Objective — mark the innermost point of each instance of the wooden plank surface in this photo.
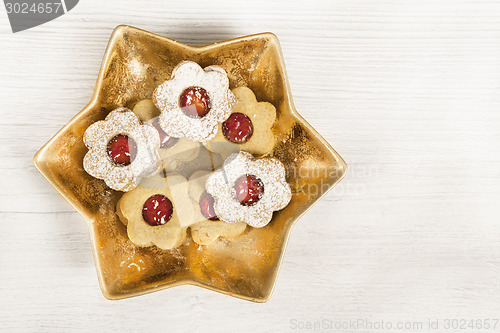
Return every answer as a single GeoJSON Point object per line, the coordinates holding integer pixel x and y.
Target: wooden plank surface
{"type": "Point", "coordinates": [406, 91]}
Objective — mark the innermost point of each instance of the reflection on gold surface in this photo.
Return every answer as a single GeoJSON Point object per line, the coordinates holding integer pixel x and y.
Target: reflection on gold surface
{"type": "Point", "coordinates": [245, 266]}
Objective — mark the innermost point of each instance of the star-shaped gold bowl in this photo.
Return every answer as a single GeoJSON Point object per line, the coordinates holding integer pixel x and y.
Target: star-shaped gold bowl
{"type": "Point", "coordinates": [245, 266]}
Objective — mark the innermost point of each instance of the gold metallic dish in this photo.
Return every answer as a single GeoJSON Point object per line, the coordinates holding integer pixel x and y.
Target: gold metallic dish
{"type": "Point", "coordinates": [246, 266]}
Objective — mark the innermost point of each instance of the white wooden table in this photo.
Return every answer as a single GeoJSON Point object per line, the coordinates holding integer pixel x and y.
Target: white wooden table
{"type": "Point", "coordinates": [408, 92]}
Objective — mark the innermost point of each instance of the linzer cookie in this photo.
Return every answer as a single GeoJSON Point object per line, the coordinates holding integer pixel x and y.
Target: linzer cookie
{"type": "Point", "coordinates": [249, 190]}
{"type": "Point", "coordinates": [121, 150]}
{"type": "Point", "coordinates": [194, 101]}
{"type": "Point", "coordinates": [248, 126]}
{"type": "Point", "coordinates": [157, 212]}
{"type": "Point", "coordinates": [209, 227]}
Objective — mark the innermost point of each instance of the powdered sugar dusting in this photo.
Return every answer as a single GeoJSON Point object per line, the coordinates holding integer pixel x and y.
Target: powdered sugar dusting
{"type": "Point", "coordinates": [277, 193]}
{"type": "Point", "coordinates": [97, 163]}
{"type": "Point", "coordinates": [189, 74]}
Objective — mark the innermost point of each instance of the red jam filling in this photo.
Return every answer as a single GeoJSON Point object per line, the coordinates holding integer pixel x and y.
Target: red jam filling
{"type": "Point", "coordinates": [157, 210]}
{"type": "Point", "coordinates": [166, 141]}
{"type": "Point", "coordinates": [207, 206]}
{"type": "Point", "coordinates": [238, 128]}
{"type": "Point", "coordinates": [122, 149]}
{"type": "Point", "coordinates": [195, 102]}
{"type": "Point", "coordinates": [249, 189]}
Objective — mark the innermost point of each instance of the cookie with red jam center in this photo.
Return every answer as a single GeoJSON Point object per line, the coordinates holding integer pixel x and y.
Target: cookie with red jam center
{"type": "Point", "coordinates": [249, 190]}
{"type": "Point", "coordinates": [208, 227]}
{"type": "Point", "coordinates": [249, 127]}
{"type": "Point", "coordinates": [194, 101]}
{"type": "Point", "coordinates": [121, 150]}
{"type": "Point", "coordinates": [157, 212]}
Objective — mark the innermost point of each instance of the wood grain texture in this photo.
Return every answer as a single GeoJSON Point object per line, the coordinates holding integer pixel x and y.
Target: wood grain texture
{"type": "Point", "coordinates": [406, 91]}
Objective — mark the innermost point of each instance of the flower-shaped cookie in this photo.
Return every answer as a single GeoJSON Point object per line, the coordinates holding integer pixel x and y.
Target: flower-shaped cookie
{"type": "Point", "coordinates": [248, 126]}
{"type": "Point", "coordinates": [194, 101]}
{"type": "Point", "coordinates": [209, 227]}
{"type": "Point", "coordinates": [249, 190]}
{"type": "Point", "coordinates": [157, 212]}
{"type": "Point", "coordinates": [121, 150]}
